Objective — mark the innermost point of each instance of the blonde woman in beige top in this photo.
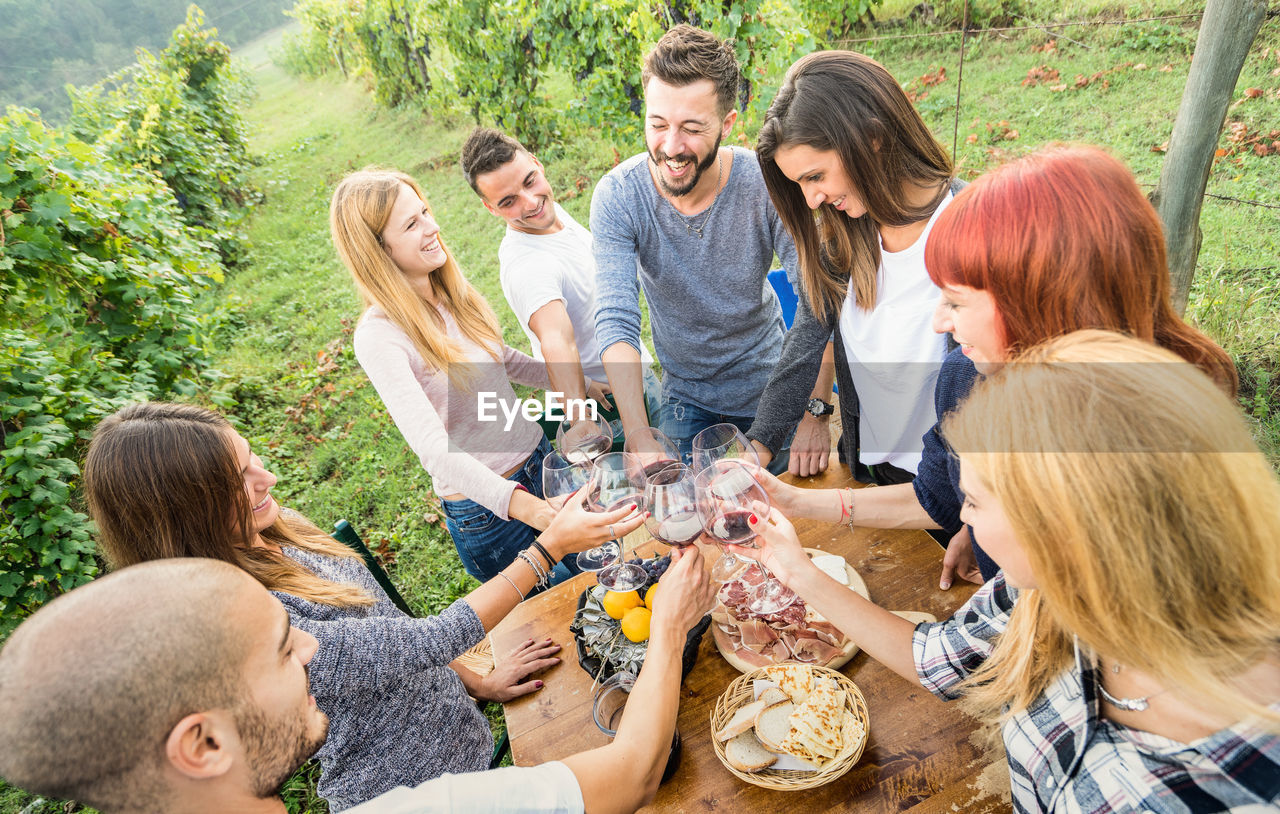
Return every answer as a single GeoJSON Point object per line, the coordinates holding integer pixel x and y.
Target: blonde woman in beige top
{"type": "Point", "coordinates": [432, 347]}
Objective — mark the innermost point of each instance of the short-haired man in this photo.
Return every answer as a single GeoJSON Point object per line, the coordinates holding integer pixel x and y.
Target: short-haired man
{"type": "Point", "coordinates": [546, 268]}
{"type": "Point", "coordinates": [179, 686]}
{"type": "Point", "coordinates": [695, 221]}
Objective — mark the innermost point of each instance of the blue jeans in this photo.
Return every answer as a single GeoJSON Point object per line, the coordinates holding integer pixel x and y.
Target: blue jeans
{"type": "Point", "coordinates": [681, 421]}
{"type": "Point", "coordinates": [486, 544]}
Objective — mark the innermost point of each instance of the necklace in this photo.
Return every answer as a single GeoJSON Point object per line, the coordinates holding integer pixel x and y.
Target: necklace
{"type": "Point", "coordinates": [688, 222]}
{"type": "Point", "coordinates": [1129, 704]}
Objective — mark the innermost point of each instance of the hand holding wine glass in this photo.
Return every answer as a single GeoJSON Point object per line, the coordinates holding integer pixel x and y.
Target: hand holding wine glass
{"type": "Point", "coordinates": [617, 483]}
{"type": "Point", "coordinates": [727, 498]}
{"type": "Point", "coordinates": [776, 545]}
{"type": "Point", "coordinates": [782, 496]}
{"type": "Point", "coordinates": [654, 449]}
{"type": "Point", "coordinates": [576, 528]}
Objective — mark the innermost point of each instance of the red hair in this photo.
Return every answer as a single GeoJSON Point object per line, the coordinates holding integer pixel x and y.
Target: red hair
{"type": "Point", "coordinates": [1064, 240]}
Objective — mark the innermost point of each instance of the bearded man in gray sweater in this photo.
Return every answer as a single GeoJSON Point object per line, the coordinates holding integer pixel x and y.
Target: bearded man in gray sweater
{"type": "Point", "coordinates": [691, 223]}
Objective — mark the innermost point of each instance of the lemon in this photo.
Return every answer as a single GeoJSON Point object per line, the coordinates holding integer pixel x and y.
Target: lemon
{"type": "Point", "coordinates": [635, 624]}
{"type": "Point", "coordinates": [649, 595]}
{"type": "Point", "coordinates": [617, 603]}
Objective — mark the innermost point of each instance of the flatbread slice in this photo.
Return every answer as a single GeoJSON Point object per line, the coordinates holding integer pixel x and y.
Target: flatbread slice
{"type": "Point", "coordinates": [796, 680]}
{"type": "Point", "coordinates": [816, 723]}
{"type": "Point", "coordinates": [852, 732]}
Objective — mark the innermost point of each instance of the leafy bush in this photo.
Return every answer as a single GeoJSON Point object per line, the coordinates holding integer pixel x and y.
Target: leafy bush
{"type": "Point", "coordinates": [100, 269]}
{"type": "Point", "coordinates": [1158, 37]}
{"type": "Point", "coordinates": [177, 115]}
{"type": "Point", "coordinates": [981, 13]}
{"type": "Point", "coordinates": [498, 54]}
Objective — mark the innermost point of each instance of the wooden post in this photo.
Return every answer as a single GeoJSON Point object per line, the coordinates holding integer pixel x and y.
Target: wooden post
{"type": "Point", "coordinates": [1227, 31]}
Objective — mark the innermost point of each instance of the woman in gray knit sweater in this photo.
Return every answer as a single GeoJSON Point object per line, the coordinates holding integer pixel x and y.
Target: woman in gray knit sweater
{"type": "Point", "coordinates": [170, 480]}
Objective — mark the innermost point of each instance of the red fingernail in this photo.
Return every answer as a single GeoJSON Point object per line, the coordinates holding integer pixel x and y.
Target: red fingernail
{"type": "Point", "coordinates": [538, 684]}
{"type": "Point", "coordinates": [633, 507]}
{"type": "Point", "coordinates": [753, 519]}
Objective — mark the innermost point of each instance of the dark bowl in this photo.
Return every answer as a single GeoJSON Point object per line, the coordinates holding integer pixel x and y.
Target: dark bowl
{"type": "Point", "coordinates": [690, 656]}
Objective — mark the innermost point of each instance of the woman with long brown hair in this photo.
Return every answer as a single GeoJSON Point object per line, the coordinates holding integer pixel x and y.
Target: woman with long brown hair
{"type": "Point", "coordinates": [859, 180]}
{"type": "Point", "coordinates": [174, 480]}
{"type": "Point", "coordinates": [1058, 241]}
{"type": "Point", "coordinates": [432, 348]}
{"type": "Point", "coordinates": [1129, 645]}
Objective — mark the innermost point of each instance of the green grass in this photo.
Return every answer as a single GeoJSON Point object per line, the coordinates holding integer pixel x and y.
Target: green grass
{"type": "Point", "coordinates": [308, 411]}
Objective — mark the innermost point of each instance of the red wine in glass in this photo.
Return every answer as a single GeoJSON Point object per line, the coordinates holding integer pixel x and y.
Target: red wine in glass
{"type": "Point", "coordinates": [731, 527]}
{"type": "Point", "coordinates": [679, 530]}
{"type": "Point", "coordinates": [672, 500]}
{"type": "Point", "coordinates": [654, 470]}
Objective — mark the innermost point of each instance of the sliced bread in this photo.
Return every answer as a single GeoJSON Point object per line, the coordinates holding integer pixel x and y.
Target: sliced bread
{"type": "Point", "coordinates": [773, 724]}
{"type": "Point", "coordinates": [773, 695]}
{"type": "Point", "coordinates": [745, 753]}
{"type": "Point", "coordinates": [742, 720]}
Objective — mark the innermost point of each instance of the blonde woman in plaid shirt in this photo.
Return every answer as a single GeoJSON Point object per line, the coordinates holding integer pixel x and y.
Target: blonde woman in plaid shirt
{"type": "Point", "coordinates": [1130, 644]}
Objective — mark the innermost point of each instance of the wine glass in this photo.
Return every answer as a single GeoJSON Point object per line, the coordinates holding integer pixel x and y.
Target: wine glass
{"type": "Point", "coordinates": [561, 478]}
{"type": "Point", "coordinates": [655, 450]}
{"type": "Point", "coordinates": [722, 442]}
{"type": "Point", "coordinates": [719, 442]}
{"type": "Point", "coordinates": [672, 499]}
{"type": "Point", "coordinates": [617, 480]}
{"type": "Point", "coordinates": [583, 440]}
{"type": "Point", "coordinates": [726, 496]}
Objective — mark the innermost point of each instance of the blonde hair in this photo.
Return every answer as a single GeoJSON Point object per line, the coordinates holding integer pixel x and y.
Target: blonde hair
{"type": "Point", "coordinates": [162, 481]}
{"type": "Point", "coordinates": [1148, 516]}
{"type": "Point", "coordinates": [358, 215]}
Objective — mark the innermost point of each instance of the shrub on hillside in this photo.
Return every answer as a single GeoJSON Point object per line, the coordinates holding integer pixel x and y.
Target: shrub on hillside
{"type": "Point", "coordinates": [178, 115]}
{"type": "Point", "coordinates": [98, 279]}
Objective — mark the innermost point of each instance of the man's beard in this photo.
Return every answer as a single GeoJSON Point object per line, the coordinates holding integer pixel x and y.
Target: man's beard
{"type": "Point", "coordinates": [274, 749]}
{"type": "Point", "coordinates": [660, 157]}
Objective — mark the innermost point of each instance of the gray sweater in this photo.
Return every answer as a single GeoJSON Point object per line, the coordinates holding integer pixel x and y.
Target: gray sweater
{"type": "Point", "coordinates": [398, 715]}
{"type": "Point", "coordinates": [717, 325]}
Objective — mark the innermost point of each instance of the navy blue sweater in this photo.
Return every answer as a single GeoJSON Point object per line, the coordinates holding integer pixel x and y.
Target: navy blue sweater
{"type": "Point", "coordinates": [937, 483]}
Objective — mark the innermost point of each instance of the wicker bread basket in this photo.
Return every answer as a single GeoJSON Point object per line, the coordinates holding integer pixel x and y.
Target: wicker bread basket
{"type": "Point", "coordinates": [740, 693]}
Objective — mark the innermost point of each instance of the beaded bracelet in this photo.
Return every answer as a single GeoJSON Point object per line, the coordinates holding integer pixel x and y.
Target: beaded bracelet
{"type": "Point", "coordinates": [538, 570]}
{"type": "Point", "coordinates": [513, 585]}
{"type": "Point", "coordinates": [849, 522]}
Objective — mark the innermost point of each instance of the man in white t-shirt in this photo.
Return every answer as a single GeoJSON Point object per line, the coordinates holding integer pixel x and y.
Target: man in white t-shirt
{"type": "Point", "coordinates": [547, 269]}
{"type": "Point", "coordinates": [196, 699]}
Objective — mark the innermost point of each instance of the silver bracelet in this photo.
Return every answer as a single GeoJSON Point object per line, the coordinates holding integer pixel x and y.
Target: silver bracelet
{"type": "Point", "coordinates": [538, 570]}
{"type": "Point", "coordinates": [513, 585]}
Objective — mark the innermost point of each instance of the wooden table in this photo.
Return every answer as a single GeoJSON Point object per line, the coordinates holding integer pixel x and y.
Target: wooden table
{"type": "Point", "coordinates": [923, 755]}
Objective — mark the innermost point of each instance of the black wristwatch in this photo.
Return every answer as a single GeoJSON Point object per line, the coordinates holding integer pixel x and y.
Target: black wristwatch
{"type": "Point", "coordinates": [818, 408]}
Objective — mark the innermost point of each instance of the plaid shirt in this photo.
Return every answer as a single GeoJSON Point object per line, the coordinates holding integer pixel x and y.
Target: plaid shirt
{"type": "Point", "coordinates": [1065, 757]}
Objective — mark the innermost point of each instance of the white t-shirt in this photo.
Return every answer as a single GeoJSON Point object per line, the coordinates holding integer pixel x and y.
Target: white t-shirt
{"type": "Point", "coordinates": [545, 789]}
{"type": "Point", "coordinates": [894, 356]}
{"type": "Point", "coordinates": [538, 269]}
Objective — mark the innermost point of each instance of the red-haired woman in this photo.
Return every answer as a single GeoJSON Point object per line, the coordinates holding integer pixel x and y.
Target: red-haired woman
{"type": "Point", "coordinates": [1059, 241]}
